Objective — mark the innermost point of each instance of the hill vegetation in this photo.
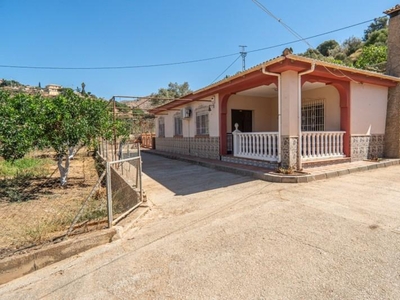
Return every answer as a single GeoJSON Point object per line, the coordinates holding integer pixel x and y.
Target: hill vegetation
{"type": "Point", "coordinates": [368, 52]}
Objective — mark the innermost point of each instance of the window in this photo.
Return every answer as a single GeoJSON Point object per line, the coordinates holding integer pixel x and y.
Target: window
{"type": "Point", "coordinates": [313, 115]}
{"type": "Point", "coordinates": [202, 122]}
{"type": "Point", "coordinates": [161, 127]}
{"type": "Point", "coordinates": [178, 125]}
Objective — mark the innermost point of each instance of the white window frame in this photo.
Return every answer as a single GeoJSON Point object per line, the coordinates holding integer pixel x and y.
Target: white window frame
{"type": "Point", "coordinates": [202, 121]}
{"type": "Point", "coordinates": [161, 127]}
{"type": "Point", "coordinates": [178, 125]}
{"type": "Point", "coordinates": [313, 115]}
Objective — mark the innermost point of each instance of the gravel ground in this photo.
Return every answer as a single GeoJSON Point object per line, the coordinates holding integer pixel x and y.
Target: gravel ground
{"type": "Point", "coordinates": [216, 235]}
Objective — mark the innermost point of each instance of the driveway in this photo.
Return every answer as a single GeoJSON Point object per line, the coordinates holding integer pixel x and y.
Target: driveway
{"type": "Point", "coordinates": [216, 235]}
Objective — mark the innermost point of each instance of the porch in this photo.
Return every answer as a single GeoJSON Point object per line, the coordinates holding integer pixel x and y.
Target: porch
{"type": "Point", "coordinates": [266, 146]}
{"type": "Point", "coordinates": [308, 124]}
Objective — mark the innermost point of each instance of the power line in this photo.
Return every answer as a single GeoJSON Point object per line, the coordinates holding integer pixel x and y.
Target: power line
{"type": "Point", "coordinates": [118, 67]}
{"type": "Point", "coordinates": [311, 37]}
{"type": "Point", "coordinates": [287, 27]}
{"type": "Point", "coordinates": [181, 62]}
{"type": "Point", "coordinates": [225, 69]}
{"type": "Point", "coordinates": [292, 31]}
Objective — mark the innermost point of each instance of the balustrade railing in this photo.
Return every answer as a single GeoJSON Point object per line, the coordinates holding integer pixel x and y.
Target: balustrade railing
{"type": "Point", "coordinates": [322, 144]}
{"type": "Point", "coordinates": [264, 145]}
{"type": "Point", "coordinates": [256, 145]}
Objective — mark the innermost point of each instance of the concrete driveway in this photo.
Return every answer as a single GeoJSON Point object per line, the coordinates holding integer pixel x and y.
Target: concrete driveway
{"type": "Point", "coordinates": [216, 235]}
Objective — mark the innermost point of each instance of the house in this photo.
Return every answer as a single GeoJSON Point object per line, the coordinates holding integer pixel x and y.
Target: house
{"type": "Point", "coordinates": [53, 89]}
{"type": "Point", "coordinates": [289, 110]}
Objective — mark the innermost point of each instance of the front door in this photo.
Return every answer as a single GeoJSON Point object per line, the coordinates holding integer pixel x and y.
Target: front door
{"type": "Point", "coordinates": [243, 118]}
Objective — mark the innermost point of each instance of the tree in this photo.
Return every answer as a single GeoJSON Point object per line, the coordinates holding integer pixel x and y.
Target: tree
{"type": "Point", "coordinates": [326, 46]}
{"type": "Point", "coordinates": [83, 85]}
{"type": "Point", "coordinates": [63, 123]}
{"type": "Point", "coordinates": [9, 83]}
{"type": "Point", "coordinates": [173, 91]}
{"type": "Point", "coordinates": [351, 45]}
{"type": "Point", "coordinates": [72, 121]}
{"type": "Point", "coordinates": [20, 126]}
{"type": "Point", "coordinates": [377, 38]}
{"type": "Point", "coordinates": [378, 24]}
{"type": "Point", "coordinates": [371, 57]}
{"type": "Point", "coordinates": [312, 53]}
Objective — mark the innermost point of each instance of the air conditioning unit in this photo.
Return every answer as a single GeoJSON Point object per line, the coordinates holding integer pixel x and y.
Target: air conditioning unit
{"type": "Point", "coordinates": [186, 113]}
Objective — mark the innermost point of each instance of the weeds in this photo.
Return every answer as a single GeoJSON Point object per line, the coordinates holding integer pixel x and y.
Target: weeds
{"type": "Point", "coordinates": [286, 171]}
{"type": "Point", "coordinates": [43, 230]}
{"type": "Point", "coordinates": [375, 158]}
{"type": "Point", "coordinates": [24, 167]}
{"type": "Point", "coordinates": [18, 175]}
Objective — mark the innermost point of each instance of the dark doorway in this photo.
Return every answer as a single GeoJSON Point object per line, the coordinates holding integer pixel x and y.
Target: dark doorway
{"type": "Point", "coordinates": [243, 118]}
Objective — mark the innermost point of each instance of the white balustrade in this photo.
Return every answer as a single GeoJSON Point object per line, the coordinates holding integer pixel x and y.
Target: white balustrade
{"type": "Point", "coordinates": [322, 144]}
{"type": "Point", "coordinates": [264, 145]}
{"type": "Point", "coordinates": [256, 145]}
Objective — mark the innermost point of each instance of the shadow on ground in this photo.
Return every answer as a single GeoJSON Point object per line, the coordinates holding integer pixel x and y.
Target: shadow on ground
{"type": "Point", "coordinates": [184, 178]}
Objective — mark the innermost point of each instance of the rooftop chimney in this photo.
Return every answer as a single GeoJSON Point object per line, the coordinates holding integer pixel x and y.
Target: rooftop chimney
{"type": "Point", "coordinates": [392, 132]}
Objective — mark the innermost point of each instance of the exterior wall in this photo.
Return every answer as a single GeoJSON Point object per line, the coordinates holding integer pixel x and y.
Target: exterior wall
{"type": "Point", "coordinates": [368, 119]}
{"type": "Point", "coordinates": [169, 124]}
{"type": "Point", "coordinates": [206, 146]}
{"type": "Point", "coordinates": [367, 146]}
{"type": "Point", "coordinates": [368, 108]}
{"type": "Point", "coordinates": [332, 105]}
{"type": "Point", "coordinates": [265, 112]}
{"type": "Point", "coordinates": [156, 125]}
{"type": "Point", "coordinates": [169, 129]}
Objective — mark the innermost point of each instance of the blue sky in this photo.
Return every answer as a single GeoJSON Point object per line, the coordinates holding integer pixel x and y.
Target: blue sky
{"type": "Point", "coordinates": [105, 33]}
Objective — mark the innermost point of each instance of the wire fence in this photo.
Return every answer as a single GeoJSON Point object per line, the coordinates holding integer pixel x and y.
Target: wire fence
{"type": "Point", "coordinates": [35, 209]}
{"type": "Point", "coordinates": [101, 190]}
{"type": "Point", "coordinates": [124, 178]}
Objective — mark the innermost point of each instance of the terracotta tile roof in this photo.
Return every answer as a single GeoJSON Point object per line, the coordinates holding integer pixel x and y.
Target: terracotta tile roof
{"type": "Point", "coordinates": [303, 59]}
{"type": "Point", "coordinates": [240, 74]}
{"type": "Point", "coordinates": [274, 61]}
{"type": "Point", "coordinates": [343, 68]}
{"type": "Point", "coordinates": [392, 10]}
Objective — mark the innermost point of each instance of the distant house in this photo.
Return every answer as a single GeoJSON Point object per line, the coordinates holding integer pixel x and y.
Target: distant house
{"type": "Point", "coordinates": [53, 89]}
{"type": "Point", "coordinates": [289, 110]}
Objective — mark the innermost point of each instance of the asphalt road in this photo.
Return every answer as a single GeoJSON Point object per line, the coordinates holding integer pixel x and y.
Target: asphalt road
{"type": "Point", "coordinates": [216, 235]}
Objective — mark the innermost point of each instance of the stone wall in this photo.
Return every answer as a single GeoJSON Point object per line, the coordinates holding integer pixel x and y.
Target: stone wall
{"type": "Point", "coordinates": [367, 146]}
{"type": "Point", "coordinates": [250, 162]}
{"type": "Point", "coordinates": [289, 151]}
{"type": "Point", "coordinates": [206, 147]}
{"type": "Point", "coordinates": [392, 132]}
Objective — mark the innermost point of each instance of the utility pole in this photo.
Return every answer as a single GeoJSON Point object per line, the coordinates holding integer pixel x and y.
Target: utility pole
{"type": "Point", "coordinates": [243, 53]}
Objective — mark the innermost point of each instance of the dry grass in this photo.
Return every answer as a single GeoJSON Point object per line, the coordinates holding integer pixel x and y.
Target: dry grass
{"type": "Point", "coordinates": [40, 209]}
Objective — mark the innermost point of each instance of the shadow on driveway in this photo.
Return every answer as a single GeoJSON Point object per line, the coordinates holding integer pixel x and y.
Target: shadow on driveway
{"type": "Point", "coordinates": [184, 178]}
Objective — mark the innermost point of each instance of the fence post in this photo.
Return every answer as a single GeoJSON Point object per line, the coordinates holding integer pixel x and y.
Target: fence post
{"type": "Point", "coordinates": [140, 179]}
{"type": "Point", "coordinates": [109, 195]}
{"type": "Point", "coordinates": [236, 142]}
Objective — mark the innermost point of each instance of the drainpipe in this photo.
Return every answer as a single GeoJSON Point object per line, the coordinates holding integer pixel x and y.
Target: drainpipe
{"type": "Point", "coordinates": [299, 141]}
{"type": "Point", "coordinates": [279, 109]}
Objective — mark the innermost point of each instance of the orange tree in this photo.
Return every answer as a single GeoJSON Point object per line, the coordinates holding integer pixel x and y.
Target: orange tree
{"type": "Point", "coordinates": [63, 123]}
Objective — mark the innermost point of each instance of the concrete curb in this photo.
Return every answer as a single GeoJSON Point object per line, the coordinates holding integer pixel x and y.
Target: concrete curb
{"type": "Point", "coordinates": [277, 178]}
{"type": "Point", "coordinates": [16, 266]}
{"type": "Point", "coordinates": [19, 265]}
